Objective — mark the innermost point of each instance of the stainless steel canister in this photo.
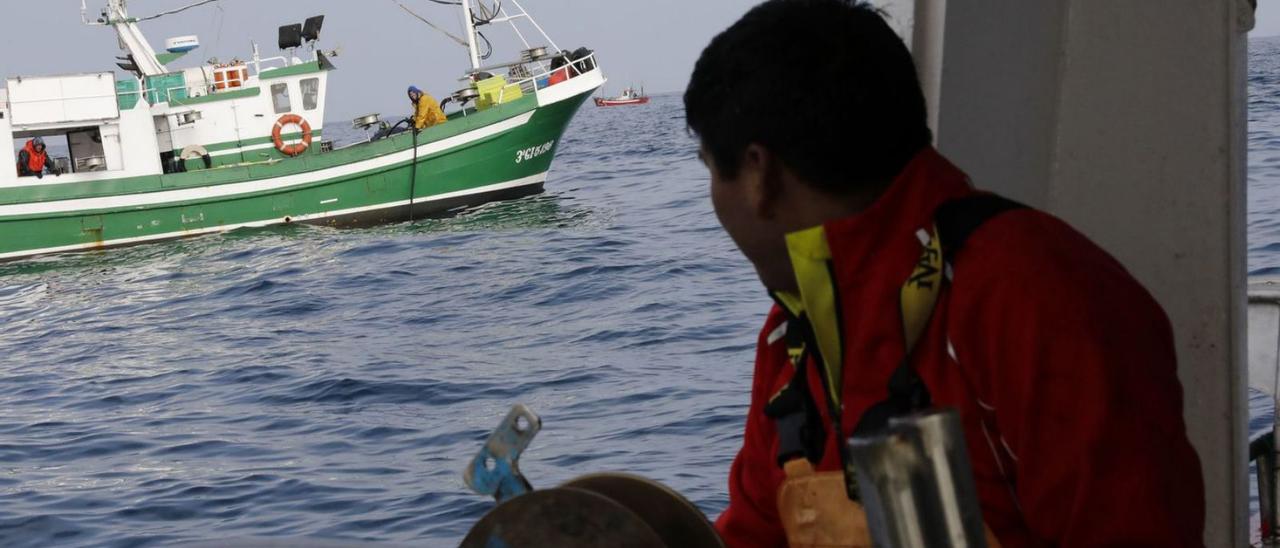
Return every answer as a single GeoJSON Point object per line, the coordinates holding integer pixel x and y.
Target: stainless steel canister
{"type": "Point", "coordinates": [917, 484]}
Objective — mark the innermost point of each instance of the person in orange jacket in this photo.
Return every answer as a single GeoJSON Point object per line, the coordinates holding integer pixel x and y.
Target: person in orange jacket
{"type": "Point", "coordinates": [1061, 364]}
{"type": "Point", "coordinates": [33, 160]}
{"type": "Point", "coordinates": [560, 68]}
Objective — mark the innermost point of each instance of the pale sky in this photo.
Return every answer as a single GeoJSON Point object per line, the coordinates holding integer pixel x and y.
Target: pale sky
{"type": "Point", "coordinates": [383, 50]}
{"type": "Point", "coordinates": [1268, 16]}
{"type": "Point", "coordinates": [649, 42]}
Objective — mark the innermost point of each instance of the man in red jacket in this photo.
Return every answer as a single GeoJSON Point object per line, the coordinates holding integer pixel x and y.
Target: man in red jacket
{"type": "Point", "coordinates": [813, 125]}
{"type": "Point", "coordinates": [33, 160]}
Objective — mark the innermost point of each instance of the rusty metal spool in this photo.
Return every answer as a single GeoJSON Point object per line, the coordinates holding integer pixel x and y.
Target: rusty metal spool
{"type": "Point", "coordinates": [562, 517]}
{"type": "Point", "coordinates": [596, 510]}
{"type": "Point", "coordinates": [673, 517]}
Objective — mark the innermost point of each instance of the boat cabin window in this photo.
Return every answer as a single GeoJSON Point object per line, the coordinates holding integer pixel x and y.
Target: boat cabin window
{"type": "Point", "coordinates": [86, 150]}
{"type": "Point", "coordinates": [76, 150]}
{"type": "Point", "coordinates": [310, 93]}
{"type": "Point", "coordinates": [280, 98]}
{"type": "Point", "coordinates": [55, 146]}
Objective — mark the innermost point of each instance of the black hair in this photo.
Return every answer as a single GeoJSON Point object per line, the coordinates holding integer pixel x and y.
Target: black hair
{"type": "Point", "coordinates": [825, 85]}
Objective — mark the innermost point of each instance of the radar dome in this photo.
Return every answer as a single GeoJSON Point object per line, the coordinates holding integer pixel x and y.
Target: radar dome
{"type": "Point", "coordinates": [181, 44]}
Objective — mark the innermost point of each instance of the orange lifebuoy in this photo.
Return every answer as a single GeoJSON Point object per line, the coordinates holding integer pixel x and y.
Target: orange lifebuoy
{"type": "Point", "coordinates": [296, 148]}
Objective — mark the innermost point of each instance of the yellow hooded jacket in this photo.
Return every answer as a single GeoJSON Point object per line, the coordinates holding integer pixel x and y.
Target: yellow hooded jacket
{"type": "Point", "coordinates": [427, 112]}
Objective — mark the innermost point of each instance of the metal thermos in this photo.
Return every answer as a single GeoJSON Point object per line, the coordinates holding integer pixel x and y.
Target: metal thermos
{"type": "Point", "coordinates": [917, 484]}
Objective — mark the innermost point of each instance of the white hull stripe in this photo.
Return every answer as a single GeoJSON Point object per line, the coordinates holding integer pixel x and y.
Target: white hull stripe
{"type": "Point", "coordinates": [525, 181]}
{"type": "Point", "coordinates": [249, 148]}
{"type": "Point", "coordinates": [261, 185]}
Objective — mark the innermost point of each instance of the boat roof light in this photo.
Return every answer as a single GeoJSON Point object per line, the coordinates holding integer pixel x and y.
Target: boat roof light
{"type": "Point", "coordinates": [290, 36]}
{"type": "Point", "coordinates": [311, 29]}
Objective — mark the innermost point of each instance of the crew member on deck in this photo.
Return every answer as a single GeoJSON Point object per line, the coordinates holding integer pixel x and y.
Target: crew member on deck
{"type": "Point", "coordinates": [33, 160]}
{"type": "Point", "coordinates": [559, 70]}
{"type": "Point", "coordinates": [426, 110]}
{"type": "Point", "coordinates": [899, 287]}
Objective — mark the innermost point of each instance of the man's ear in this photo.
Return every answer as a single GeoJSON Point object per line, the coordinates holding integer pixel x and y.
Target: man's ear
{"type": "Point", "coordinates": [760, 180]}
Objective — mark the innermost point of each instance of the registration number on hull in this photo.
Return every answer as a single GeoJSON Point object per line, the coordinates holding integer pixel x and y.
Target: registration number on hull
{"type": "Point", "coordinates": [524, 155]}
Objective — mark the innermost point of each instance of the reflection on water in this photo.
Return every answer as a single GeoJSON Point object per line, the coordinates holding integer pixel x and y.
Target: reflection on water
{"type": "Point", "coordinates": [541, 211]}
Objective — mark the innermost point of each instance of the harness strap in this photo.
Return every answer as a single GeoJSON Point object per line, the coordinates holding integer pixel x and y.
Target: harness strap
{"type": "Point", "coordinates": [954, 222]}
{"type": "Point", "coordinates": [798, 420]}
{"type": "Point", "coordinates": [957, 219]}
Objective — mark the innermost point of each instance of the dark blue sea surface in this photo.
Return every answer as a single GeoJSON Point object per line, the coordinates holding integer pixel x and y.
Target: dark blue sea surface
{"type": "Point", "coordinates": [1264, 157]}
{"type": "Point", "coordinates": [1263, 198]}
{"type": "Point", "coordinates": [308, 381]}
{"type": "Point", "coordinates": [303, 381]}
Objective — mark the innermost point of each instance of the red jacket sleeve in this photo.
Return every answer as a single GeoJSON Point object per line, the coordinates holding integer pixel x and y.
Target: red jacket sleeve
{"type": "Point", "coordinates": [1078, 362]}
{"type": "Point", "coordinates": [752, 516]}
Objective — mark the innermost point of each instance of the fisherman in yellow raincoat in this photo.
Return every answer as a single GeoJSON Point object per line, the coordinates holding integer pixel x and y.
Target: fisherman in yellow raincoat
{"type": "Point", "coordinates": [426, 110]}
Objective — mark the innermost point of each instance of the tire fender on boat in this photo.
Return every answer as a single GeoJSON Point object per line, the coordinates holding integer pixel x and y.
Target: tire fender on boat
{"type": "Point", "coordinates": [193, 152]}
{"type": "Point", "coordinates": [296, 148]}
{"type": "Point", "coordinates": [196, 152]}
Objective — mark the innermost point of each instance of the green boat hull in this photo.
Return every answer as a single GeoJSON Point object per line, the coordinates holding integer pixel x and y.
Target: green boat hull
{"type": "Point", "coordinates": [500, 153]}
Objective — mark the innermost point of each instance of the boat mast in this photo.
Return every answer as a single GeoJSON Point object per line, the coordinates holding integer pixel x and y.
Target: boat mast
{"type": "Point", "coordinates": [117, 16]}
{"type": "Point", "coordinates": [469, 23]}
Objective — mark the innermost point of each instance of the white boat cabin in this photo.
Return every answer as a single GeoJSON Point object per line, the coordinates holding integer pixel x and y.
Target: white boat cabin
{"type": "Point", "coordinates": [100, 126]}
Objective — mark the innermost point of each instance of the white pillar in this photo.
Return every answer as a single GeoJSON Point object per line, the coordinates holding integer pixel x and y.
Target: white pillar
{"type": "Point", "coordinates": [468, 23]}
{"type": "Point", "coordinates": [1128, 120]}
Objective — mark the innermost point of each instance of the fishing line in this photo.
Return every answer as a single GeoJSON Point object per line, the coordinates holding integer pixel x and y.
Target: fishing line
{"type": "Point", "coordinates": [460, 41]}
{"type": "Point", "coordinates": [179, 10]}
{"type": "Point", "coordinates": [413, 168]}
{"type": "Point", "coordinates": [222, 18]}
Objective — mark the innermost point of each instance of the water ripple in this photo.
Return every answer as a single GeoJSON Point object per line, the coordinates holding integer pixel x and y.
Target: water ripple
{"type": "Point", "coordinates": [308, 381]}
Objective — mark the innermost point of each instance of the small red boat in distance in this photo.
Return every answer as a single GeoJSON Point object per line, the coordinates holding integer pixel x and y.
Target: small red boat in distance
{"type": "Point", "coordinates": [629, 97]}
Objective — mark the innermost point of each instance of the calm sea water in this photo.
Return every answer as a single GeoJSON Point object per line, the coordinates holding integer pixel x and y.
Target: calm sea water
{"type": "Point", "coordinates": [305, 381]}
{"type": "Point", "coordinates": [1263, 194]}
{"type": "Point", "coordinates": [1264, 157]}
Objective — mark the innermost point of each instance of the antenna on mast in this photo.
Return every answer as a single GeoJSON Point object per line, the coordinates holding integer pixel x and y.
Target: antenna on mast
{"type": "Point", "coordinates": [104, 18]}
{"type": "Point", "coordinates": [142, 58]}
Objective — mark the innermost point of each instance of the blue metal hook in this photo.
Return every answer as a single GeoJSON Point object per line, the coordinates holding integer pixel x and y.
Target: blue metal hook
{"type": "Point", "coordinates": [495, 470]}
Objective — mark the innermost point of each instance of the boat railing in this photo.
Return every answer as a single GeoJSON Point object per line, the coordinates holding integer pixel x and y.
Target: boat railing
{"type": "Point", "coordinates": [541, 79]}
{"type": "Point", "coordinates": [1262, 453]}
{"type": "Point", "coordinates": [537, 80]}
{"type": "Point", "coordinates": [199, 90]}
{"type": "Point", "coordinates": [1263, 374]}
{"type": "Point", "coordinates": [169, 94]}
{"type": "Point", "coordinates": [63, 99]}
{"type": "Point", "coordinates": [260, 65]}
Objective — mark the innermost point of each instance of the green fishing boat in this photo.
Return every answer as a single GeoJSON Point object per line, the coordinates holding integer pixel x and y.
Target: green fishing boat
{"type": "Point", "coordinates": [168, 153]}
